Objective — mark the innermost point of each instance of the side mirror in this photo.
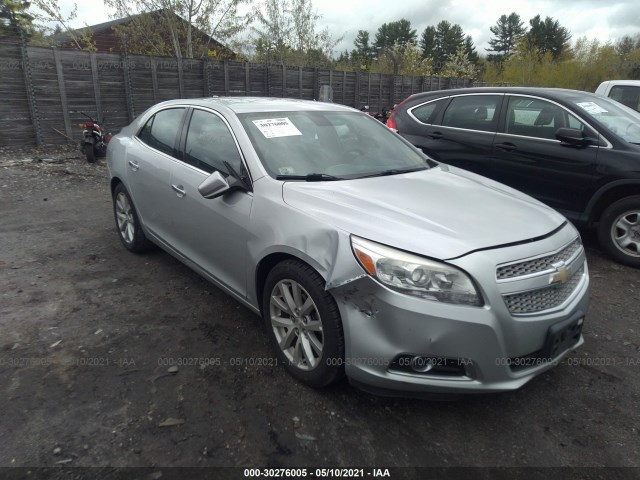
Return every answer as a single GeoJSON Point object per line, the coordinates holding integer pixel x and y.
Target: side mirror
{"type": "Point", "coordinates": [213, 186]}
{"type": "Point", "coordinates": [572, 136]}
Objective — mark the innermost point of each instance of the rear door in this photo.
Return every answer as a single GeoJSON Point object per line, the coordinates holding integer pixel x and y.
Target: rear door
{"type": "Point", "coordinates": [528, 157]}
{"type": "Point", "coordinates": [150, 160]}
{"type": "Point", "coordinates": [212, 233]}
{"type": "Point", "coordinates": [464, 132]}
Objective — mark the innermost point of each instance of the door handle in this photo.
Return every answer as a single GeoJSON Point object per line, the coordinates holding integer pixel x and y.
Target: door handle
{"type": "Point", "coordinates": [133, 165]}
{"type": "Point", "coordinates": [179, 189]}
{"type": "Point", "coordinates": [507, 146]}
{"type": "Point", "coordinates": [436, 135]}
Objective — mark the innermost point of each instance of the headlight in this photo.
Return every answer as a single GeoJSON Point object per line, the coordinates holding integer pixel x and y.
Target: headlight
{"type": "Point", "coordinates": [414, 275]}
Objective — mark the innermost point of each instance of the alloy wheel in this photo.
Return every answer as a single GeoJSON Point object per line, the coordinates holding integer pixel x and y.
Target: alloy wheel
{"type": "Point", "coordinates": [625, 233]}
{"type": "Point", "coordinates": [296, 324]}
{"type": "Point", "coordinates": [124, 217]}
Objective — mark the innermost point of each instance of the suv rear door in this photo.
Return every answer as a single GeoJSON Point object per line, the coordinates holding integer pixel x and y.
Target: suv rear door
{"type": "Point", "coordinates": [463, 132]}
{"type": "Point", "coordinates": [528, 157]}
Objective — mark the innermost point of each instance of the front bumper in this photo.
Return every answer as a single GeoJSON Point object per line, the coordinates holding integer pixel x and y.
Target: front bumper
{"type": "Point", "coordinates": [382, 325]}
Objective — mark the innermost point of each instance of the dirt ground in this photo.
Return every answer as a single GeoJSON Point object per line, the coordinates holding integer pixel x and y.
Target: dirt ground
{"type": "Point", "coordinates": [89, 331]}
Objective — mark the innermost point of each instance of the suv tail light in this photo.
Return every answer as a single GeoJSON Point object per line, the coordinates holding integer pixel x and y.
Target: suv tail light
{"type": "Point", "coordinates": [391, 121]}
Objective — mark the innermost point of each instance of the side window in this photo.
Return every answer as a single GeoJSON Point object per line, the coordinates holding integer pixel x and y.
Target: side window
{"type": "Point", "coordinates": [532, 117]}
{"type": "Point", "coordinates": [627, 95]}
{"type": "Point", "coordinates": [210, 144]}
{"type": "Point", "coordinates": [427, 113]}
{"type": "Point", "coordinates": [161, 130]}
{"type": "Point", "coordinates": [473, 112]}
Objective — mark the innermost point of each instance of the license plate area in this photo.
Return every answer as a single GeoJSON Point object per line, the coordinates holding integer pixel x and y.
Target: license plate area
{"type": "Point", "coordinates": [561, 337]}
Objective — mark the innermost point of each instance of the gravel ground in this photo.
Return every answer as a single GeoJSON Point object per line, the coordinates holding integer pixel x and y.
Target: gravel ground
{"type": "Point", "coordinates": [89, 333]}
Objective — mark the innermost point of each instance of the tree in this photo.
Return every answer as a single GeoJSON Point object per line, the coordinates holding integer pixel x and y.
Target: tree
{"type": "Point", "coordinates": [428, 41]}
{"type": "Point", "coordinates": [448, 38]}
{"type": "Point", "coordinates": [403, 60]}
{"type": "Point", "coordinates": [458, 65]}
{"type": "Point", "coordinates": [470, 50]}
{"type": "Point", "coordinates": [48, 13]}
{"type": "Point", "coordinates": [548, 36]}
{"type": "Point", "coordinates": [507, 31]}
{"type": "Point", "coordinates": [285, 31]}
{"type": "Point", "coordinates": [14, 19]}
{"type": "Point", "coordinates": [167, 26]}
{"type": "Point", "coordinates": [363, 54]}
{"type": "Point", "coordinates": [392, 34]}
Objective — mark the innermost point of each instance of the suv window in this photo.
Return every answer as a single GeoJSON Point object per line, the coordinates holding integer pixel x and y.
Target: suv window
{"type": "Point", "coordinates": [531, 117]}
{"type": "Point", "coordinates": [473, 112]}
{"type": "Point", "coordinates": [427, 113]}
{"type": "Point", "coordinates": [210, 144]}
{"type": "Point", "coordinates": [161, 130]}
{"type": "Point", "coordinates": [627, 95]}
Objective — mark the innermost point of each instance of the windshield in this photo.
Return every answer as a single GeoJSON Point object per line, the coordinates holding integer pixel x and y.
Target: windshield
{"type": "Point", "coordinates": [328, 145]}
{"type": "Point", "coordinates": [618, 118]}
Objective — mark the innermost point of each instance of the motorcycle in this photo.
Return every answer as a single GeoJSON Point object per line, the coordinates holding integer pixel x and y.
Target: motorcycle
{"type": "Point", "coordinates": [94, 141]}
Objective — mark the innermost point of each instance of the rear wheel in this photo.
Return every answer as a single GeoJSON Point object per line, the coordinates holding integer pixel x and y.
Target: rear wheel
{"type": "Point", "coordinates": [619, 230]}
{"type": "Point", "coordinates": [127, 222]}
{"type": "Point", "coordinates": [304, 324]}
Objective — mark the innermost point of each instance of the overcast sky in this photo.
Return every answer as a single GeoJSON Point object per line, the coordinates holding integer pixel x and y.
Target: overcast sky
{"type": "Point", "coordinates": [604, 20]}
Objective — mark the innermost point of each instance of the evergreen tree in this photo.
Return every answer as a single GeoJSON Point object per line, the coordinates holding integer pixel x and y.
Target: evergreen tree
{"type": "Point", "coordinates": [507, 31]}
{"type": "Point", "coordinates": [548, 36]}
{"type": "Point", "coordinates": [390, 34]}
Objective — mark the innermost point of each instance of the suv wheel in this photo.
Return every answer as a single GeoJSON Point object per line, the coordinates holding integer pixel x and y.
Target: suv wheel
{"type": "Point", "coordinates": [619, 230]}
{"type": "Point", "coordinates": [303, 322]}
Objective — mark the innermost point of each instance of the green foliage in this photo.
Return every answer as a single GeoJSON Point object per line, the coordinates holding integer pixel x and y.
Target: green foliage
{"type": "Point", "coordinates": [548, 36]}
{"type": "Point", "coordinates": [507, 31]}
{"type": "Point", "coordinates": [394, 34]}
{"type": "Point", "coordinates": [459, 65]}
{"type": "Point", "coordinates": [286, 31]}
{"type": "Point", "coordinates": [14, 19]}
{"type": "Point", "coordinates": [442, 41]}
{"type": "Point", "coordinates": [362, 56]}
{"type": "Point", "coordinates": [583, 67]}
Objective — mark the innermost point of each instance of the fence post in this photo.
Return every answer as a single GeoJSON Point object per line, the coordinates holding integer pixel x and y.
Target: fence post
{"type": "Point", "coordinates": [380, 102]}
{"type": "Point", "coordinates": [344, 86]}
{"type": "Point", "coordinates": [247, 79]}
{"type": "Point", "coordinates": [63, 91]}
{"type": "Point", "coordinates": [267, 80]}
{"type": "Point", "coordinates": [316, 83]}
{"type": "Point", "coordinates": [226, 77]}
{"type": "Point", "coordinates": [154, 78]}
{"type": "Point", "coordinates": [369, 90]}
{"type": "Point", "coordinates": [96, 84]}
{"type": "Point", "coordinates": [284, 81]}
{"type": "Point", "coordinates": [299, 82]}
{"type": "Point", "coordinates": [356, 90]}
{"type": "Point", "coordinates": [127, 84]}
{"type": "Point", "coordinates": [180, 78]}
{"type": "Point", "coordinates": [31, 94]}
{"type": "Point", "coordinates": [392, 93]}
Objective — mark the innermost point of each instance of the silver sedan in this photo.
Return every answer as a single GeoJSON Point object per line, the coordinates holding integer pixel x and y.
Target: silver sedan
{"type": "Point", "coordinates": [363, 256]}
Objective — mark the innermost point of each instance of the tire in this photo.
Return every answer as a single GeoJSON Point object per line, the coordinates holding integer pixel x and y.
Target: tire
{"type": "Point", "coordinates": [315, 354]}
{"type": "Point", "coordinates": [88, 151]}
{"type": "Point", "coordinates": [619, 230]}
{"type": "Point", "coordinates": [128, 223]}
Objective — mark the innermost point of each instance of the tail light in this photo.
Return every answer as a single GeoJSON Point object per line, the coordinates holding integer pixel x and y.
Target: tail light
{"type": "Point", "coordinates": [391, 121]}
{"type": "Point", "coordinates": [89, 124]}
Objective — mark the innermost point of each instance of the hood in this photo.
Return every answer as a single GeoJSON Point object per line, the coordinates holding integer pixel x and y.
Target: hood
{"type": "Point", "coordinates": [443, 212]}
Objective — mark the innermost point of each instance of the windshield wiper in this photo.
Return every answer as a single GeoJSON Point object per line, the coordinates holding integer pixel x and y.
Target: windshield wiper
{"type": "Point", "coordinates": [394, 171]}
{"type": "Point", "coordinates": [310, 177]}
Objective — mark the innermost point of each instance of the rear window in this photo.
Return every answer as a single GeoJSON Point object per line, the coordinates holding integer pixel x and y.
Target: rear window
{"type": "Point", "coordinates": [472, 112]}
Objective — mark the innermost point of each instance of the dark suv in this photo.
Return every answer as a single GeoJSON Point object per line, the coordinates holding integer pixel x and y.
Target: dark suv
{"type": "Point", "coordinates": [575, 151]}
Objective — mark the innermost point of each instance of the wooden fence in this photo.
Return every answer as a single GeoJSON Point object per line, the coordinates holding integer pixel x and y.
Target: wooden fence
{"type": "Point", "coordinates": [42, 90]}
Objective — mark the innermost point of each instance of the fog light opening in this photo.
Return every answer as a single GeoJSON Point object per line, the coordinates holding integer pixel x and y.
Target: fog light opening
{"type": "Point", "coordinates": [421, 364]}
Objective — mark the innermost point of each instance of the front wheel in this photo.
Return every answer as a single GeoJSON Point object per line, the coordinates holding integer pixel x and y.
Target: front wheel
{"type": "Point", "coordinates": [128, 223]}
{"type": "Point", "coordinates": [619, 230]}
{"type": "Point", "coordinates": [304, 325]}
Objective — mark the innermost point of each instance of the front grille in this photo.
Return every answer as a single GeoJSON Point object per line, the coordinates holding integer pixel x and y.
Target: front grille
{"type": "Point", "coordinates": [543, 298]}
{"type": "Point", "coordinates": [538, 265]}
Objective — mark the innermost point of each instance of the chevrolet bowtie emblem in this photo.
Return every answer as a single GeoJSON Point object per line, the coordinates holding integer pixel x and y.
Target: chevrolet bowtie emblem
{"type": "Point", "coordinates": [563, 275]}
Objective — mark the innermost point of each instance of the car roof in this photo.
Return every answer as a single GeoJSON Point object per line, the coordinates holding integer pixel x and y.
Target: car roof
{"type": "Point", "coordinates": [259, 104]}
{"type": "Point", "coordinates": [551, 93]}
